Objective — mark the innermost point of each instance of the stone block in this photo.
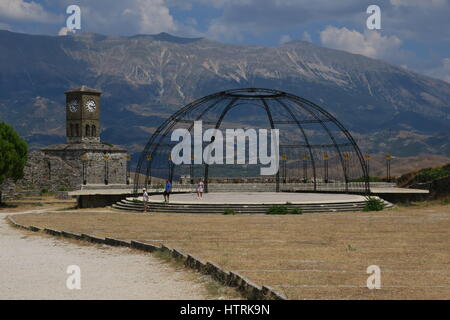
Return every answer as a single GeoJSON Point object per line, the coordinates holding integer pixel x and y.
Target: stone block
{"type": "Point", "coordinates": [143, 246]}
{"type": "Point", "coordinates": [52, 232]}
{"type": "Point", "coordinates": [92, 239]}
{"type": "Point", "coordinates": [116, 242]}
{"type": "Point", "coordinates": [71, 235]}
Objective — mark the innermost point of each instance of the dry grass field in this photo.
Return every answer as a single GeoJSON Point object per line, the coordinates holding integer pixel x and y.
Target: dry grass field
{"type": "Point", "coordinates": [309, 256]}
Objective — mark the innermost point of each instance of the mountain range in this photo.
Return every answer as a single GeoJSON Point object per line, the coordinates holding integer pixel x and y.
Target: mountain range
{"type": "Point", "coordinates": [145, 78]}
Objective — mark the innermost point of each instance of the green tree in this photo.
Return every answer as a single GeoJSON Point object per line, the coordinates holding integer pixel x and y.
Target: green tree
{"type": "Point", "coordinates": [13, 154]}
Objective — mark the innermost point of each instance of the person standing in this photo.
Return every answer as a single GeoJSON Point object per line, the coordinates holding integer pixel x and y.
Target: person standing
{"type": "Point", "coordinates": [200, 188]}
{"type": "Point", "coordinates": [167, 190]}
{"type": "Point", "coordinates": [145, 198]}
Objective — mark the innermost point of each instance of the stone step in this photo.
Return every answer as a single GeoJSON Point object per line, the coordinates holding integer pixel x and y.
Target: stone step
{"type": "Point", "coordinates": [203, 205]}
{"type": "Point", "coordinates": [220, 209]}
{"type": "Point", "coordinates": [243, 204]}
{"type": "Point", "coordinates": [206, 207]}
{"type": "Point", "coordinates": [241, 211]}
{"type": "Point", "coordinates": [212, 206]}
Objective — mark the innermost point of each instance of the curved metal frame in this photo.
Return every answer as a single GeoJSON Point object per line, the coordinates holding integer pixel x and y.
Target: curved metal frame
{"type": "Point", "coordinates": [254, 94]}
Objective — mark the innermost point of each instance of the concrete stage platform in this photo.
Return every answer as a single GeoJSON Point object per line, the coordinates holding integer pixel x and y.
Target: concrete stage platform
{"type": "Point", "coordinates": [247, 202]}
{"type": "Point", "coordinates": [101, 197]}
{"type": "Point", "coordinates": [258, 198]}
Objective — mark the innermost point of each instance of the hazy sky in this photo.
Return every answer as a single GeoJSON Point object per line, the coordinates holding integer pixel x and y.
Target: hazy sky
{"type": "Point", "coordinates": [414, 33]}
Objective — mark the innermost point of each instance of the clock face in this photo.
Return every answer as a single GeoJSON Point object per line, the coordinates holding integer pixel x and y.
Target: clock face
{"type": "Point", "coordinates": [90, 105]}
{"type": "Point", "coordinates": [73, 105]}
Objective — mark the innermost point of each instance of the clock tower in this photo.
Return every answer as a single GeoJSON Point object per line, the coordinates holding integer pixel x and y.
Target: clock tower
{"type": "Point", "coordinates": [83, 115]}
{"type": "Point", "coordinates": [86, 160]}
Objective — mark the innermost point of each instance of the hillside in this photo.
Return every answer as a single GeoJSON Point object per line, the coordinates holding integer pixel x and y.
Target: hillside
{"type": "Point", "coordinates": [145, 78]}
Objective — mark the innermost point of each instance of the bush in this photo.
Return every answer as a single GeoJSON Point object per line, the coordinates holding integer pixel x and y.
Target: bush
{"type": "Point", "coordinates": [432, 174]}
{"type": "Point", "coordinates": [373, 204]}
{"type": "Point", "coordinates": [283, 210]}
{"type": "Point", "coordinates": [296, 211]}
{"type": "Point", "coordinates": [277, 210]}
{"type": "Point", "coordinates": [229, 211]}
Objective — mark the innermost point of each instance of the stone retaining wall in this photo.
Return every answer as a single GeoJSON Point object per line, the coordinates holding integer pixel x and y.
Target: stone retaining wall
{"type": "Point", "coordinates": [438, 188]}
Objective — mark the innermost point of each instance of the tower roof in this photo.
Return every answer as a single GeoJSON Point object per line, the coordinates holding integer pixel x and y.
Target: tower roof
{"type": "Point", "coordinates": [84, 89]}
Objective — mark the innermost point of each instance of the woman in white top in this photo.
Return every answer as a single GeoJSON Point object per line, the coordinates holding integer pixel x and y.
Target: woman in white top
{"type": "Point", "coordinates": [145, 198]}
{"type": "Point", "coordinates": [200, 186]}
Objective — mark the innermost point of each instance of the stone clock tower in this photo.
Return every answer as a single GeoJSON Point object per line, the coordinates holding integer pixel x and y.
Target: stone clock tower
{"type": "Point", "coordinates": [83, 115]}
{"type": "Point", "coordinates": [88, 162]}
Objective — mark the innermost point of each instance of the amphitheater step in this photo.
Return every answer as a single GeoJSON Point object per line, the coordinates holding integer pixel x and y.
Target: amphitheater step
{"type": "Point", "coordinates": [238, 208]}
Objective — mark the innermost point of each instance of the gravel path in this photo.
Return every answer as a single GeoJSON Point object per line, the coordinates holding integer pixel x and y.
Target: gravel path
{"type": "Point", "coordinates": [34, 267]}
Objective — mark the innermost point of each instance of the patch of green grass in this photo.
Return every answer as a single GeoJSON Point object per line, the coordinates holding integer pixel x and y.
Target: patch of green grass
{"type": "Point", "coordinates": [216, 290]}
{"type": "Point", "coordinates": [7, 205]}
{"type": "Point", "coordinates": [213, 288]}
{"type": "Point", "coordinates": [277, 210]}
{"type": "Point", "coordinates": [46, 192]}
{"type": "Point", "coordinates": [283, 210]}
{"type": "Point", "coordinates": [229, 212]}
{"type": "Point", "coordinates": [373, 204]}
{"type": "Point", "coordinates": [36, 204]}
{"type": "Point", "coordinates": [164, 255]}
{"type": "Point", "coordinates": [296, 211]}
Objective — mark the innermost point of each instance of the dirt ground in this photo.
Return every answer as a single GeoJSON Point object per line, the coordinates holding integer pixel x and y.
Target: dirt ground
{"type": "Point", "coordinates": [309, 256]}
{"type": "Point", "coordinates": [34, 266]}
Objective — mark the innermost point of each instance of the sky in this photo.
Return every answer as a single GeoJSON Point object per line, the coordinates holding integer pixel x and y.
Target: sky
{"type": "Point", "coordinates": [414, 34]}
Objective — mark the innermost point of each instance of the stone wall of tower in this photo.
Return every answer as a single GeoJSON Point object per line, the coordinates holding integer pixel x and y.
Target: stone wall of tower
{"type": "Point", "coordinates": [97, 170]}
{"type": "Point", "coordinates": [44, 173]}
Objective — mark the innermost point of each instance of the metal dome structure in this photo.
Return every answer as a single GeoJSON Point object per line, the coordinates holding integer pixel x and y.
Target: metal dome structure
{"type": "Point", "coordinates": [316, 152]}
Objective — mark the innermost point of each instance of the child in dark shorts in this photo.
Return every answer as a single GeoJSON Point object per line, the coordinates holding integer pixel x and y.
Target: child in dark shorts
{"type": "Point", "coordinates": [167, 191]}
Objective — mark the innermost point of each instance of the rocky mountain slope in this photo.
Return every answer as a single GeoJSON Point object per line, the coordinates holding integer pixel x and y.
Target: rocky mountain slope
{"type": "Point", "coordinates": [145, 78]}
